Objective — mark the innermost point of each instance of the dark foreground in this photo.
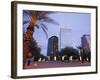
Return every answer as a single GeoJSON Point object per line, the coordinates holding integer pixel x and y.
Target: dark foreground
{"type": "Point", "coordinates": [52, 64]}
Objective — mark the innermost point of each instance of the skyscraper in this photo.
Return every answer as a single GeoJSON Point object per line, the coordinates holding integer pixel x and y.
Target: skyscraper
{"type": "Point", "coordinates": [86, 41]}
{"type": "Point", "coordinates": [65, 37]}
{"type": "Point", "coordinates": [52, 50]}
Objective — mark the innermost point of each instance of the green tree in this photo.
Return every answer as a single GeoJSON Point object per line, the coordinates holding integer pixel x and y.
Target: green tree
{"type": "Point", "coordinates": [69, 51]}
{"type": "Point", "coordinates": [35, 50]}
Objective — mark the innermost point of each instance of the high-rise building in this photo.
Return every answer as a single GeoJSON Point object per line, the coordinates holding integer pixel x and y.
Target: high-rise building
{"type": "Point", "coordinates": [86, 42]}
{"type": "Point", "coordinates": [52, 50]}
{"type": "Point", "coordinates": [65, 37]}
{"type": "Point", "coordinates": [86, 47]}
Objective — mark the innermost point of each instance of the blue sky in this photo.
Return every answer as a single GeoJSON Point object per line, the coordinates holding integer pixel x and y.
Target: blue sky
{"type": "Point", "coordinates": [79, 23]}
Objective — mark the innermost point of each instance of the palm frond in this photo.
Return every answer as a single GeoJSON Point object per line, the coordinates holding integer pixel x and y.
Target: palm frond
{"type": "Point", "coordinates": [25, 22]}
{"type": "Point", "coordinates": [44, 25]}
{"type": "Point", "coordinates": [27, 12]}
{"type": "Point", "coordinates": [37, 26]}
{"type": "Point", "coordinates": [44, 13]}
{"type": "Point", "coordinates": [48, 20]}
{"type": "Point", "coordinates": [41, 17]}
{"type": "Point", "coordinates": [44, 31]}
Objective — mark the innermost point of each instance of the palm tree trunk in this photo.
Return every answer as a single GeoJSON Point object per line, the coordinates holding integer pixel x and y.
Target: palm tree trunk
{"type": "Point", "coordinates": [27, 39]}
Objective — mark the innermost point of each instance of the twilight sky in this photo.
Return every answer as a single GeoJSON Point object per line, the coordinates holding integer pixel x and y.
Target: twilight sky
{"type": "Point", "coordinates": [78, 23]}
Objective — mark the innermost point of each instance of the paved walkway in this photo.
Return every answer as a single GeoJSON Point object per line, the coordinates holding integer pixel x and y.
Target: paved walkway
{"type": "Point", "coordinates": [52, 64]}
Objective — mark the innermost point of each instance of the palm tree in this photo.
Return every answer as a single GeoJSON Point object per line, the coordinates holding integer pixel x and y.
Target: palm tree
{"type": "Point", "coordinates": [36, 19]}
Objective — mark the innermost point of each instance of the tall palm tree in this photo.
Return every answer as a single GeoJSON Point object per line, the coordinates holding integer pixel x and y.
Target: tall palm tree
{"type": "Point", "coordinates": [36, 19]}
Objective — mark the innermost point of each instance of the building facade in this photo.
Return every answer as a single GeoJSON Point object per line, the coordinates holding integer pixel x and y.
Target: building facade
{"type": "Point", "coordinates": [65, 37]}
{"type": "Point", "coordinates": [86, 42]}
{"type": "Point", "coordinates": [86, 48]}
{"type": "Point", "coordinates": [52, 49]}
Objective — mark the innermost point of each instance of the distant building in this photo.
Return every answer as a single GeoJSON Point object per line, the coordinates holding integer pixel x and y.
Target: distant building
{"type": "Point", "coordinates": [52, 50]}
{"type": "Point", "coordinates": [86, 42]}
{"type": "Point", "coordinates": [65, 37]}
